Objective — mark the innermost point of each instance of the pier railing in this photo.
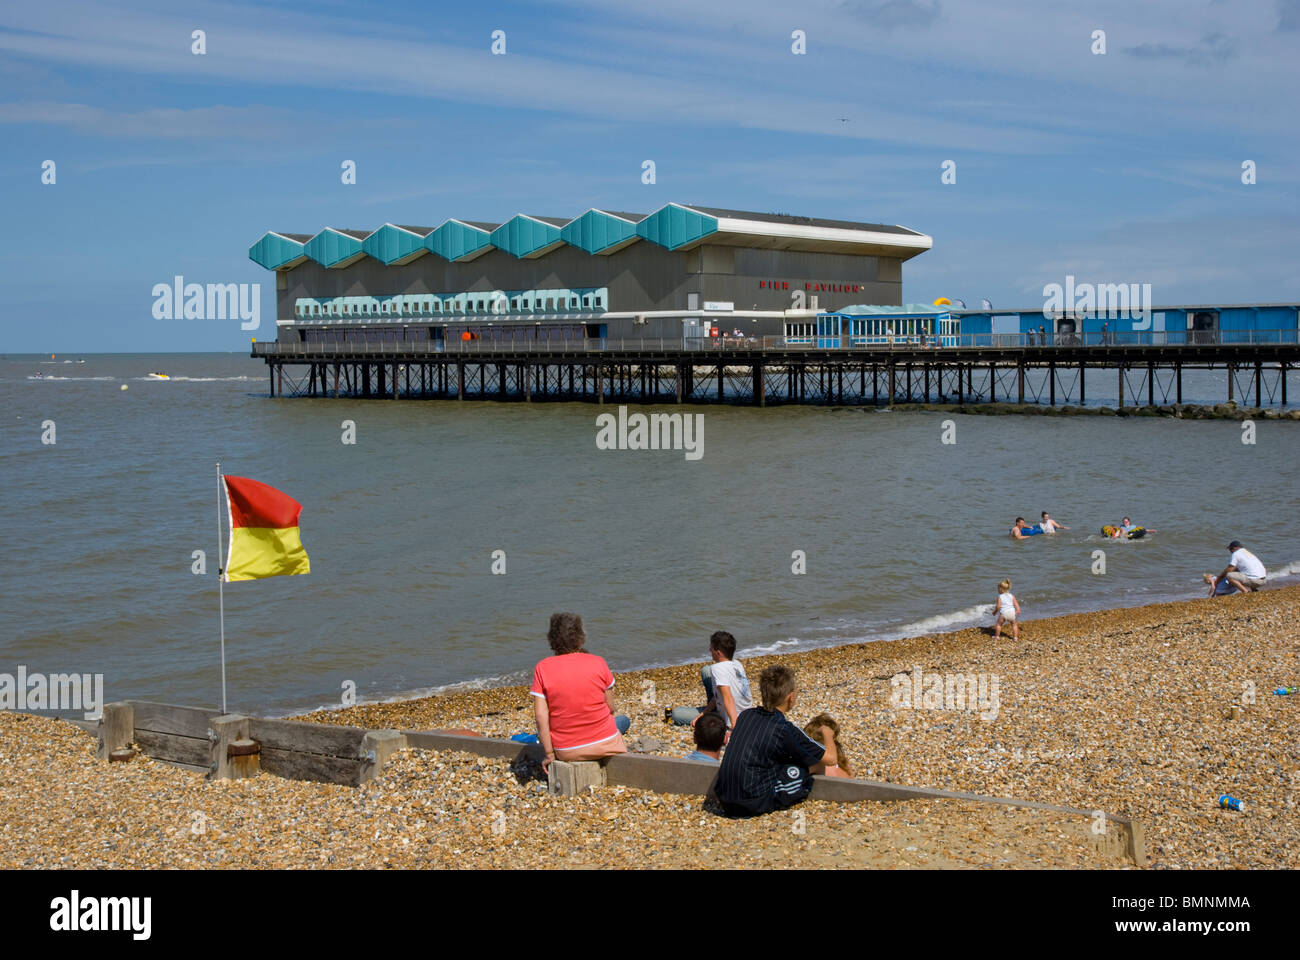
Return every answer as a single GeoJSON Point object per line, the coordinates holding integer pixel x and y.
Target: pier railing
{"type": "Point", "coordinates": [714, 345]}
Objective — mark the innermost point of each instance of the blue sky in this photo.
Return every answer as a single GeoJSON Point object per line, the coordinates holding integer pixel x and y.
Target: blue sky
{"type": "Point", "coordinates": [1124, 167]}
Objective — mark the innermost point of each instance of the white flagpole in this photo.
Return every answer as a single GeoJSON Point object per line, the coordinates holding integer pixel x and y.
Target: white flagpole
{"type": "Point", "coordinates": [221, 593]}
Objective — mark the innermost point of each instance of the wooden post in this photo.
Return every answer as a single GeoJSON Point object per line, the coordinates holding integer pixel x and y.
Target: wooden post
{"type": "Point", "coordinates": [224, 732]}
{"type": "Point", "coordinates": [568, 779]}
{"type": "Point", "coordinates": [376, 747]}
{"type": "Point", "coordinates": [116, 731]}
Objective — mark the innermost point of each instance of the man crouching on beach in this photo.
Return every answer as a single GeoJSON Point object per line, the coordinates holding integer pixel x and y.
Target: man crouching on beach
{"type": "Point", "coordinates": [769, 762]}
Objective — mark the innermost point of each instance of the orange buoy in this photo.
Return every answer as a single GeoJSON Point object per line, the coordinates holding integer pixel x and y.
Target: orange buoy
{"type": "Point", "coordinates": [467, 335]}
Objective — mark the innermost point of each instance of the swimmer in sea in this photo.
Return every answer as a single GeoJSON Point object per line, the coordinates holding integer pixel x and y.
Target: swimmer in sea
{"type": "Point", "coordinates": [1018, 527]}
{"type": "Point", "coordinates": [1051, 526]}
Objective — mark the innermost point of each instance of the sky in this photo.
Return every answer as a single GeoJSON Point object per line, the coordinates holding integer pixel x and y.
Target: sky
{"type": "Point", "coordinates": [1117, 167]}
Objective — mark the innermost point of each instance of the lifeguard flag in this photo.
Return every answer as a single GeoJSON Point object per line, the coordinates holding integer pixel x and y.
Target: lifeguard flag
{"type": "Point", "coordinates": [264, 539]}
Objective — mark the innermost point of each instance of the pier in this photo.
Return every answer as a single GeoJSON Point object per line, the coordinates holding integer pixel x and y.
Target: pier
{"type": "Point", "coordinates": [763, 371]}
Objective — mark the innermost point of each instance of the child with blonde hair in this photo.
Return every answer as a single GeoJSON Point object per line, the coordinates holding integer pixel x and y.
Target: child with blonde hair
{"type": "Point", "coordinates": [1008, 609]}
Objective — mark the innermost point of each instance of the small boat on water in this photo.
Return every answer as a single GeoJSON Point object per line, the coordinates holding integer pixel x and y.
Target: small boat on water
{"type": "Point", "coordinates": [159, 376]}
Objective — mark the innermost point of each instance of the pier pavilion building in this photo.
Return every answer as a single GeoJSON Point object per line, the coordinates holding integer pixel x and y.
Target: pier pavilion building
{"type": "Point", "coordinates": [678, 272]}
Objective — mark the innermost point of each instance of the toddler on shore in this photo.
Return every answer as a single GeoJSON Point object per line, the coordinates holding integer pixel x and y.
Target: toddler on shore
{"type": "Point", "coordinates": [1008, 610]}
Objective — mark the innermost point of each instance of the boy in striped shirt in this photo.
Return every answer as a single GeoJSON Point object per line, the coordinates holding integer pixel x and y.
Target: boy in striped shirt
{"type": "Point", "coordinates": [769, 762]}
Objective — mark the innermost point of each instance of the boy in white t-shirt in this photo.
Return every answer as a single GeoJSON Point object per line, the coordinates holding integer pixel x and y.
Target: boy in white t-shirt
{"type": "Point", "coordinates": [725, 683]}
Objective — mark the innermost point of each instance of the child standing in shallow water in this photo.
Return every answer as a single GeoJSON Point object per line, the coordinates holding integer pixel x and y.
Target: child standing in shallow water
{"type": "Point", "coordinates": [1008, 608]}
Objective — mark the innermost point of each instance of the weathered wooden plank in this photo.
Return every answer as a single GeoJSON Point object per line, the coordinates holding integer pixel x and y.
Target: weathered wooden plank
{"type": "Point", "coordinates": [482, 746]}
{"type": "Point", "coordinates": [304, 737]}
{"type": "Point", "coordinates": [166, 746]}
{"type": "Point", "coordinates": [223, 732]}
{"type": "Point", "coordinates": [169, 718]}
{"type": "Point", "coordinates": [660, 774]}
{"type": "Point", "coordinates": [294, 765]}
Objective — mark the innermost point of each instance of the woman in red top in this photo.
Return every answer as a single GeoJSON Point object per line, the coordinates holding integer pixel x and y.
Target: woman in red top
{"type": "Point", "coordinates": [573, 698]}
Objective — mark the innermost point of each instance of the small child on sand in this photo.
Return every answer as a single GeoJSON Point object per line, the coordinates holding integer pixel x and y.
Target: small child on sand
{"type": "Point", "coordinates": [1008, 608]}
{"type": "Point", "coordinates": [824, 729]}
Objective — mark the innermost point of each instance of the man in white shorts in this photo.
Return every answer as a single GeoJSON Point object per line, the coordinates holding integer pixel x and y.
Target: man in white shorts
{"type": "Point", "coordinates": [1244, 570]}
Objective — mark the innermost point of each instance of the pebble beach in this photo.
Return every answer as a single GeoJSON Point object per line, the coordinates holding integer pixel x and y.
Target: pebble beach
{"type": "Point", "coordinates": [1148, 713]}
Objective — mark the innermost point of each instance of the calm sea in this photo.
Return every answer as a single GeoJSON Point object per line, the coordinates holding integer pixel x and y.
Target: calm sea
{"type": "Point", "coordinates": [902, 533]}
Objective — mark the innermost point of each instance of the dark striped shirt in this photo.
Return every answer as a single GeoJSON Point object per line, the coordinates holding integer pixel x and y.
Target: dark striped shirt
{"type": "Point", "coordinates": [765, 765]}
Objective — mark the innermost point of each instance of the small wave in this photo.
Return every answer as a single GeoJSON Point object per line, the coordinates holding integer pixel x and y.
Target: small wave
{"type": "Point", "coordinates": [1286, 570]}
{"type": "Point", "coordinates": [421, 693]}
{"type": "Point", "coordinates": [943, 621]}
{"type": "Point", "coordinates": [767, 649]}
{"type": "Point", "coordinates": [52, 377]}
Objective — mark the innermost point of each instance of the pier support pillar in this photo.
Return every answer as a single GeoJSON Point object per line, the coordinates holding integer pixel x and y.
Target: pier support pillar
{"type": "Point", "coordinates": [1020, 382]}
{"type": "Point", "coordinates": [1281, 370]}
{"type": "Point", "coordinates": [891, 383]}
{"type": "Point", "coordinates": [1259, 371]}
{"type": "Point", "coordinates": [1120, 367]}
{"type": "Point", "coordinates": [1232, 375]}
{"type": "Point", "coordinates": [760, 394]}
{"type": "Point", "coordinates": [1082, 394]}
{"type": "Point", "coordinates": [1051, 376]}
{"type": "Point", "coordinates": [279, 376]}
{"type": "Point", "coordinates": [1151, 383]}
{"type": "Point", "coordinates": [993, 383]}
{"type": "Point", "coordinates": [460, 379]}
{"type": "Point", "coordinates": [1178, 381]}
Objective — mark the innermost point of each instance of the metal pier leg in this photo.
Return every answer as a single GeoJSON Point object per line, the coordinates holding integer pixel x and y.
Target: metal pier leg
{"type": "Point", "coordinates": [1082, 367]}
{"type": "Point", "coordinates": [1151, 383]}
{"type": "Point", "coordinates": [875, 384]}
{"type": "Point", "coordinates": [1020, 378]}
{"type": "Point", "coordinates": [460, 379]}
{"type": "Point", "coordinates": [993, 383]}
{"type": "Point", "coordinates": [1178, 379]}
{"type": "Point", "coordinates": [1051, 376]}
{"type": "Point", "coordinates": [1232, 374]}
{"type": "Point", "coordinates": [760, 394]}
{"type": "Point", "coordinates": [961, 396]}
{"type": "Point", "coordinates": [1259, 366]}
{"type": "Point", "coordinates": [721, 379]}
{"type": "Point", "coordinates": [891, 383]}
{"type": "Point", "coordinates": [1281, 369]}
{"type": "Point", "coordinates": [1120, 367]}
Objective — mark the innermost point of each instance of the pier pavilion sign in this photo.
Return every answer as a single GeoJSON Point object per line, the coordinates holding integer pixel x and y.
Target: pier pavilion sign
{"type": "Point", "coordinates": [811, 286]}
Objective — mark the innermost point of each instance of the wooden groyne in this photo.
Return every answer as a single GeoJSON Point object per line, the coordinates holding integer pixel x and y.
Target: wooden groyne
{"type": "Point", "coordinates": [232, 746]}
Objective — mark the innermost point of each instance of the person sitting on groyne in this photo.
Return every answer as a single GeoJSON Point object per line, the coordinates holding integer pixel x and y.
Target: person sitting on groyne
{"type": "Point", "coordinates": [573, 698]}
{"type": "Point", "coordinates": [769, 762]}
{"type": "Point", "coordinates": [826, 731]}
{"type": "Point", "coordinates": [710, 733]}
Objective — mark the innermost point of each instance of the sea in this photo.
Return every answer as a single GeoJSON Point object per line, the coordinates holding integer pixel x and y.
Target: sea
{"type": "Point", "coordinates": [442, 540]}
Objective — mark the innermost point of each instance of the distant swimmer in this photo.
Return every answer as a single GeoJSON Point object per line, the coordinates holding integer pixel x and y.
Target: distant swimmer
{"type": "Point", "coordinates": [1020, 529]}
{"type": "Point", "coordinates": [1126, 531]}
{"type": "Point", "coordinates": [1051, 526]}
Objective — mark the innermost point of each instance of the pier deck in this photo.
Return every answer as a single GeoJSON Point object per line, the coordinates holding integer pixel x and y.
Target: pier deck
{"type": "Point", "coordinates": [762, 372]}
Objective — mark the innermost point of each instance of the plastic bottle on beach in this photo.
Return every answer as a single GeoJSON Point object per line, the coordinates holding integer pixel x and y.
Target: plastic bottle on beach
{"type": "Point", "coordinates": [1227, 802]}
{"type": "Point", "coordinates": [1286, 691]}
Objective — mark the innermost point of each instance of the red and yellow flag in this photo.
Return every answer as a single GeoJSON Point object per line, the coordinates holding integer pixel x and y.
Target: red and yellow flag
{"type": "Point", "coordinates": [264, 539]}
